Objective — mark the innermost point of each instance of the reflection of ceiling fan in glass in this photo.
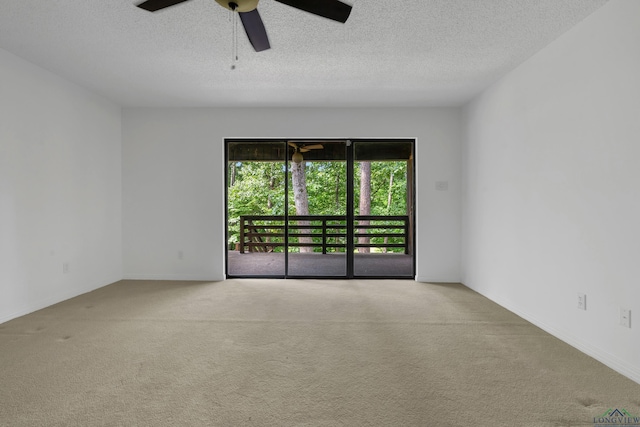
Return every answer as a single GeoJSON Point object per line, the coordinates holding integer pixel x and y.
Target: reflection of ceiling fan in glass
{"type": "Point", "coordinates": [299, 149]}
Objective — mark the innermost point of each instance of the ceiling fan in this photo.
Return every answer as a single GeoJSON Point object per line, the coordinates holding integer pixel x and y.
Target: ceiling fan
{"type": "Point", "coordinates": [251, 21]}
{"type": "Point", "coordinates": [299, 149]}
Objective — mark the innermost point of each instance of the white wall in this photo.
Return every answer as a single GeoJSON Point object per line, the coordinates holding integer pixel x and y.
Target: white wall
{"type": "Point", "coordinates": [551, 196]}
{"type": "Point", "coordinates": [173, 172]}
{"type": "Point", "coordinates": [60, 189]}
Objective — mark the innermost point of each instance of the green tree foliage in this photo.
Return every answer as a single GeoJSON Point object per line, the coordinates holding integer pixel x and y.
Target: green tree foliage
{"type": "Point", "coordinates": [255, 188]}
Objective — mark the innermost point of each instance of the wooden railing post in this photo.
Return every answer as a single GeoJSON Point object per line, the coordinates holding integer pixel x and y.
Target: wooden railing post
{"type": "Point", "coordinates": [406, 236]}
{"type": "Point", "coordinates": [242, 234]}
{"type": "Point", "coordinates": [324, 235]}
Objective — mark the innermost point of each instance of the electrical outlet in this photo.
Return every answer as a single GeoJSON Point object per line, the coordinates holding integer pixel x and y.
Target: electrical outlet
{"type": "Point", "coordinates": [180, 255]}
{"type": "Point", "coordinates": [65, 267]}
{"type": "Point", "coordinates": [582, 301]}
{"type": "Point", "coordinates": [625, 317]}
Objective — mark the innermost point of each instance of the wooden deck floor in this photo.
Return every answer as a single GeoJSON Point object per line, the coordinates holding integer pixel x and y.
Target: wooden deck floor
{"type": "Point", "coordinates": [319, 265]}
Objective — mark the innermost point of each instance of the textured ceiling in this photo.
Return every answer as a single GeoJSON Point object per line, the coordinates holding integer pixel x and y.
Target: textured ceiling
{"type": "Point", "coordinates": [405, 53]}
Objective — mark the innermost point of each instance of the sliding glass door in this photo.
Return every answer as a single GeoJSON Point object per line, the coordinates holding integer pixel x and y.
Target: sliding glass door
{"type": "Point", "coordinates": [317, 217]}
{"type": "Point", "coordinates": [256, 194]}
{"type": "Point", "coordinates": [320, 208]}
{"type": "Point", "coordinates": [383, 200]}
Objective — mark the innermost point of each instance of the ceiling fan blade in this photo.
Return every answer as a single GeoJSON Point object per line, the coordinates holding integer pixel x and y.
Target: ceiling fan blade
{"type": "Point", "coordinates": [293, 144]}
{"type": "Point", "coordinates": [314, 147]}
{"type": "Point", "coordinates": [255, 30]}
{"type": "Point", "coordinates": [153, 5]}
{"type": "Point", "coordinates": [332, 9]}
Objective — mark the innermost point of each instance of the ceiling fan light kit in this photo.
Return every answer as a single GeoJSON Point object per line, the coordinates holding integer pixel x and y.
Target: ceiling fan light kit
{"type": "Point", "coordinates": [239, 5]}
{"type": "Point", "coordinates": [298, 149]}
{"type": "Point", "coordinates": [297, 157]}
{"type": "Point", "coordinates": [251, 20]}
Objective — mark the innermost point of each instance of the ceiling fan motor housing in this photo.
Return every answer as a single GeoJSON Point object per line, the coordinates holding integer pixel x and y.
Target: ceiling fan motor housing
{"type": "Point", "coordinates": [240, 5]}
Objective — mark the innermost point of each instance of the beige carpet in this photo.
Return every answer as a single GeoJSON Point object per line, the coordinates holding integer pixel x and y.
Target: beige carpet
{"type": "Point", "coordinates": [295, 353]}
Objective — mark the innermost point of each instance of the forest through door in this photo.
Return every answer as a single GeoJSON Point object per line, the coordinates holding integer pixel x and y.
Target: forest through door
{"type": "Point", "coordinates": [322, 208]}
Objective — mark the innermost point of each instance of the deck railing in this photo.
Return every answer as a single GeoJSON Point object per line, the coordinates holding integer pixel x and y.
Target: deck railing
{"type": "Point", "coordinates": [264, 233]}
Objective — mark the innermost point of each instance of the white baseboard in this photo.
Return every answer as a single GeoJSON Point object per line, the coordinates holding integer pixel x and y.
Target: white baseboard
{"type": "Point", "coordinates": [601, 355]}
{"type": "Point", "coordinates": [432, 279]}
{"type": "Point", "coordinates": [173, 277]}
{"type": "Point", "coordinates": [46, 302]}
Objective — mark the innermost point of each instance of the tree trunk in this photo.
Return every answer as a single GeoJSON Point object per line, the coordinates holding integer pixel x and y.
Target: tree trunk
{"type": "Point", "coordinates": [365, 201]}
{"type": "Point", "coordinates": [301, 200]}
{"type": "Point", "coordinates": [232, 179]}
{"type": "Point", "coordinates": [389, 199]}
{"type": "Point", "coordinates": [272, 186]}
{"type": "Point", "coordinates": [390, 193]}
{"type": "Point", "coordinates": [337, 193]}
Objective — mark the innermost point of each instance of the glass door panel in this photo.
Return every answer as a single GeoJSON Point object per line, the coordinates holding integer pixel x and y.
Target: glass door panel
{"type": "Point", "coordinates": [383, 209]}
{"type": "Point", "coordinates": [317, 211]}
{"type": "Point", "coordinates": [256, 173]}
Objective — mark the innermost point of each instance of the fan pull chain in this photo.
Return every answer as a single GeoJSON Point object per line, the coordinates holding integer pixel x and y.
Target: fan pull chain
{"type": "Point", "coordinates": [234, 42]}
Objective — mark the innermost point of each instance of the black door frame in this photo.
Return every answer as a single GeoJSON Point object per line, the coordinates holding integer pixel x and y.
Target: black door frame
{"type": "Point", "coordinates": [349, 147]}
